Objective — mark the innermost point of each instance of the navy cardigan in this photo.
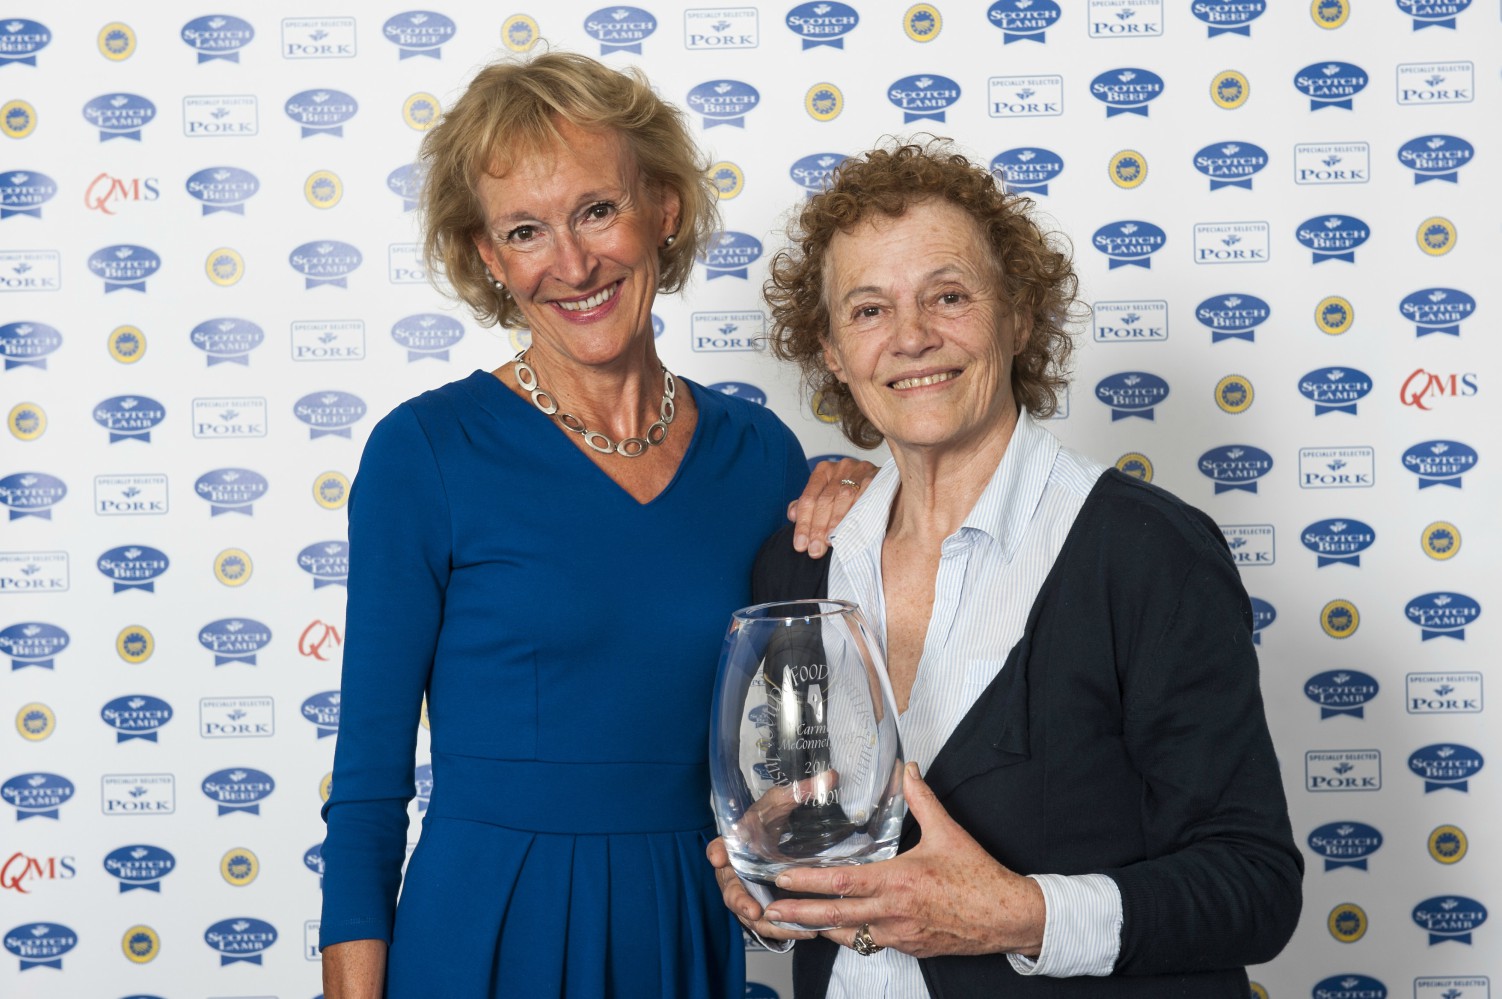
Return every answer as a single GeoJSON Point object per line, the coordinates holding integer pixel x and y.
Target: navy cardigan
{"type": "Point", "coordinates": [1125, 736]}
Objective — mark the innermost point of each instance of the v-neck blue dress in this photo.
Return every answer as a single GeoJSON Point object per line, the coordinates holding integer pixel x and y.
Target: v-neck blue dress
{"type": "Point", "coordinates": [567, 638]}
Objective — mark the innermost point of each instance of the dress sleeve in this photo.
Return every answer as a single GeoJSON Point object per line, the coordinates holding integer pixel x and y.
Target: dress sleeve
{"type": "Point", "coordinates": [1224, 887]}
{"type": "Point", "coordinates": [797, 466]}
{"type": "Point", "coordinates": [400, 544]}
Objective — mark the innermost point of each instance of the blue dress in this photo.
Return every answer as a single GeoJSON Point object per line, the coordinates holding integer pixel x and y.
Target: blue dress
{"type": "Point", "coordinates": [567, 638]}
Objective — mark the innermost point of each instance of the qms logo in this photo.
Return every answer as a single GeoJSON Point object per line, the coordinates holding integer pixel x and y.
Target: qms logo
{"type": "Point", "coordinates": [105, 192]}
{"type": "Point", "coordinates": [1421, 389]}
{"type": "Point", "coordinates": [21, 869]}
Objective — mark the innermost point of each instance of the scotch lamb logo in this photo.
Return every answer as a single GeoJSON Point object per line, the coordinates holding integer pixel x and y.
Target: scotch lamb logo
{"type": "Point", "coordinates": [814, 172]}
{"type": "Point", "coordinates": [1433, 13]}
{"type": "Point", "coordinates": [1024, 20]}
{"type": "Point", "coordinates": [1228, 17]}
{"type": "Point", "coordinates": [620, 29]}
{"type": "Point", "coordinates": [1449, 917]}
{"type": "Point", "coordinates": [1431, 310]}
{"type": "Point", "coordinates": [406, 183]}
{"type": "Point", "coordinates": [227, 340]}
{"type": "Point", "coordinates": [218, 36]}
{"type": "Point", "coordinates": [129, 417]}
{"type": "Point", "coordinates": [1345, 844]}
{"type": "Point", "coordinates": [242, 939]}
{"type": "Point", "coordinates": [234, 640]}
{"type": "Point", "coordinates": [1230, 164]}
{"type": "Point", "coordinates": [1442, 614]}
{"type": "Point", "coordinates": [1335, 390]}
{"type": "Point", "coordinates": [36, 795]}
{"type": "Point", "coordinates": [822, 23]}
{"type": "Point", "coordinates": [31, 494]}
{"type": "Point", "coordinates": [729, 254]}
{"type": "Point", "coordinates": [1330, 84]}
{"type": "Point", "coordinates": [419, 33]}
{"type": "Point", "coordinates": [1341, 692]}
{"type": "Point", "coordinates": [327, 262]}
{"type": "Point", "coordinates": [321, 112]}
{"type": "Point", "coordinates": [136, 716]}
{"type": "Point", "coordinates": [1235, 467]}
{"type": "Point", "coordinates": [21, 40]}
{"type": "Point", "coordinates": [1350, 987]}
{"type": "Point", "coordinates": [923, 96]}
{"type": "Point", "coordinates": [1126, 91]}
{"type": "Point", "coordinates": [327, 562]}
{"type": "Point", "coordinates": [119, 116]}
{"type": "Point", "coordinates": [24, 192]}
{"type": "Point", "coordinates": [1129, 243]}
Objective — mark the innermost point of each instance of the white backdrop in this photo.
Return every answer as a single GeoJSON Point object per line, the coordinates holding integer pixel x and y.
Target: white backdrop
{"type": "Point", "coordinates": [209, 292]}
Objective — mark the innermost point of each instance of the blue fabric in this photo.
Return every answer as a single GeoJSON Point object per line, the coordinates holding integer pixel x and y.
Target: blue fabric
{"type": "Point", "coordinates": [566, 636]}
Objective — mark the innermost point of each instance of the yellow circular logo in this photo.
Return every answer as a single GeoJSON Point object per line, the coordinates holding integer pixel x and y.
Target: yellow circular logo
{"type": "Point", "coordinates": [141, 944]}
{"type": "Point", "coordinates": [824, 413]}
{"type": "Point", "coordinates": [1233, 394]}
{"type": "Point", "coordinates": [519, 33]}
{"type": "Point", "coordinates": [1339, 618]}
{"type": "Point", "coordinates": [1330, 14]}
{"type": "Point", "coordinates": [224, 267]}
{"type": "Point", "coordinates": [1258, 992]}
{"type": "Point", "coordinates": [1230, 89]}
{"type": "Point", "coordinates": [420, 111]}
{"type": "Point", "coordinates": [239, 867]}
{"type": "Point", "coordinates": [1440, 540]}
{"type": "Point", "coordinates": [520, 339]}
{"type": "Point", "coordinates": [1448, 844]}
{"type": "Point", "coordinates": [1347, 922]}
{"type": "Point", "coordinates": [1128, 168]}
{"type": "Point", "coordinates": [331, 490]}
{"type": "Point", "coordinates": [35, 722]}
{"type": "Point", "coordinates": [922, 22]}
{"type": "Point", "coordinates": [1334, 315]}
{"type": "Point", "coordinates": [135, 644]}
{"type": "Point", "coordinates": [117, 41]}
{"type": "Point", "coordinates": [326, 786]}
{"type": "Point", "coordinates": [127, 344]}
{"type": "Point", "coordinates": [727, 178]}
{"type": "Point", "coordinates": [27, 421]}
{"type": "Point", "coordinates": [1436, 236]}
{"type": "Point", "coordinates": [323, 189]}
{"type": "Point", "coordinates": [824, 102]}
{"type": "Point", "coordinates": [233, 567]}
{"type": "Point", "coordinates": [1136, 464]}
{"type": "Point", "coordinates": [17, 119]}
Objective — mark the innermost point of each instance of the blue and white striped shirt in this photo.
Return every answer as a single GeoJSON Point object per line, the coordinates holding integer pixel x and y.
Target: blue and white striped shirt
{"type": "Point", "coordinates": [997, 561]}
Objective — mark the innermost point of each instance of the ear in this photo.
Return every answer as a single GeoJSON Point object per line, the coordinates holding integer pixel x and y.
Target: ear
{"type": "Point", "coordinates": [486, 248]}
{"type": "Point", "coordinates": [671, 205]}
{"type": "Point", "coordinates": [832, 360]}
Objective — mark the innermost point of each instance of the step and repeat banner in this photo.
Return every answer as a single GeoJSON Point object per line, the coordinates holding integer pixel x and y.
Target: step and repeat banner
{"type": "Point", "coordinates": [210, 290]}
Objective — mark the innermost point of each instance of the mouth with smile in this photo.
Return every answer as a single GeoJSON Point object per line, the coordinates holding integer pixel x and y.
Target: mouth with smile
{"type": "Point", "coordinates": [922, 381]}
{"type": "Point", "coordinates": [594, 301]}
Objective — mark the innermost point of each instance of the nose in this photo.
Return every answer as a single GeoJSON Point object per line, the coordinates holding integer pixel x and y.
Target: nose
{"type": "Point", "coordinates": [916, 332]}
{"type": "Point", "coordinates": [573, 261]}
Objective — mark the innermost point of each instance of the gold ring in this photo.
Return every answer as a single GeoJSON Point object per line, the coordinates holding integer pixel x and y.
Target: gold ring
{"type": "Point", "coordinates": [863, 944]}
{"type": "Point", "coordinates": [851, 483]}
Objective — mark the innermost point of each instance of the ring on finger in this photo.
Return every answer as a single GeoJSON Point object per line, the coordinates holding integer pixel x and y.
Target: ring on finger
{"type": "Point", "coordinates": [863, 944]}
{"type": "Point", "coordinates": [851, 483]}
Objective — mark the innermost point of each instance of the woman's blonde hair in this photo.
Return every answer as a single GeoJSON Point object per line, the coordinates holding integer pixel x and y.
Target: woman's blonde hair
{"type": "Point", "coordinates": [512, 109]}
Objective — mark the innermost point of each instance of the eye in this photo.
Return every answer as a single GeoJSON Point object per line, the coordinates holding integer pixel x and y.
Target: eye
{"type": "Point", "coordinates": [867, 311]}
{"type": "Point", "coordinates": [951, 298]}
{"type": "Point", "coordinates": [599, 211]}
{"type": "Point", "coordinates": [521, 234]}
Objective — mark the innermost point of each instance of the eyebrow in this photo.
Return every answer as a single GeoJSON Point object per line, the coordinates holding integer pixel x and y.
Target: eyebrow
{"type": "Point", "coordinates": [588, 198]}
{"type": "Point", "coordinates": [871, 289]}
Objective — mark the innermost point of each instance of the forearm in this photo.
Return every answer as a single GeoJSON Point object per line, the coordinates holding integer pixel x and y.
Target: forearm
{"type": "Point", "coordinates": [355, 969]}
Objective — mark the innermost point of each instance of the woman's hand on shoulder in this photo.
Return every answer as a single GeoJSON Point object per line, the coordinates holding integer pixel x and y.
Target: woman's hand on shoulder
{"type": "Point", "coordinates": [833, 487]}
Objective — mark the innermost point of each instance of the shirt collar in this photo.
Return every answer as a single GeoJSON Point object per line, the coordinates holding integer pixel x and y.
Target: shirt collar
{"type": "Point", "coordinates": [1002, 512]}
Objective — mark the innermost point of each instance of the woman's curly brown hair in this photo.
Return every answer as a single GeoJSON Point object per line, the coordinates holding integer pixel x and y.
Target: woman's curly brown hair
{"type": "Point", "coordinates": [1036, 276]}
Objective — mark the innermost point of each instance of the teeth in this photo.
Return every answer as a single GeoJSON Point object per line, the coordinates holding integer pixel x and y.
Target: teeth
{"type": "Point", "coordinates": [908, 383]}
{"type": "Point", "coordinates": [597, 299]}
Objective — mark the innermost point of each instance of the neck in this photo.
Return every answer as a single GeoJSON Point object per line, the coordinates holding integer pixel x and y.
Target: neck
{"type": "Point", "coordinates": [941, 485]}
{"type": "Point", "coordinates": [620, 398]}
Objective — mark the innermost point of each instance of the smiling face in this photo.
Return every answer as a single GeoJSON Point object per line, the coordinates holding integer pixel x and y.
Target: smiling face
{"type": "Point", "coordinates": [573, 233]}
{"type": "Point", "coordinates": [918, 330]}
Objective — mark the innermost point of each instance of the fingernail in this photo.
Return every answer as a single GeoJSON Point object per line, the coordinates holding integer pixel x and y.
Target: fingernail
{"type": "Point", "coordinates": [800, 542]}
{"type": "Point", "coordinates": [773, 914]}
{"type": "Point", "coordinates": [816, 549]}
{"type": "Point", "coordinates": [912, 770]}
{"type": "Point", "coordinates": [783, 881]}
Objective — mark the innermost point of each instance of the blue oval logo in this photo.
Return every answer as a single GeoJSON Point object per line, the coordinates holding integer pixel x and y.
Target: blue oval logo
{"type": "Point", "coordinates": [139, 867]}
{"type": "Point", "coordinates": [1449, 917]}
{"type": "Point", "coordinates": [1440, 462]}
{"type": "Point", "coordinates": [1235, 466]}
{"type": "Point", "coordinates": [238, 789]}
{"type": "Point", "coordinates": [325, 261]}
{"type": "Point", "coordinates": [1433, 13]}
{"type": "Point", "coordinates": [741, 390]}
{"type": "Point", "coordinates": [1442, 614]}
{"type": "Point", "coordinates": [31, 494]}
{"type": "Point", "coordinates": [24, 192]}
{"type": "Point", "coordinates": [21, 39]}
{"type": "Point", "coordinates": [242, 939]}
{"type": "Point", "coordinates": [218, 36]}
{"type": "Point", "coordinates": [1335, 390]}
{"type": "Point", "coordinates": [825, 22]}
{"type": "Point", "coordinates": [1341, 692]}
{"type": "Point", "coordinates": [322, 710]}
{"type": "Point", "coordinates": [1330, 84]}
{"type": "Point", "coordinates": [620, 29]}
{"type": "Point", "coordinates": [1128, 90]}
{"type": "Point", "coordinates": [234, 639]}
{"type": "Point", "coordinates": [230, 490]}
{"type": "Point", "coordinates": [313, 860]}
{"type": "Point", "coordinates": [32, 643]}
{"type": "Point", "coordinates": [223, 189]}
{"type": "Point", "coordinates": [1228, 17]}
{"type": "Point", "coordinates": [327, 562]}
{"type": "Point", "coordinates": [723, 102]}
{"type": "Point", "coordinates": [1349, 987]}
{"type": "Point", "coordinates": [1131, 393]}
{"type": "Point", "coordinates": [418, 33]}
{"type": "Point", "coordinates": [36, 795]}
{"type": "Point", "coordinates": [1129, 243]}
{"type": "Point", "coordinates": [925, 95]}
{"type": "Point", "coordinates": [136, 716]}
{"type": "Point", "coordinates": [1332, 237]}
{"type": "Point", "coordinates": [329, 413]}
{"type": "Point", "coordinates": [1230, 164]}
{"type": "Point", "coordinates": [1023, 20]}
{"type": "Point", "coordinates": [1340, 539]}
{"type": "Point", "coordinates": [1435, 157]}
{"type": "Point", "coordinates": [814, 172]}
{"type": "Point", "coordinates": [119, 116]}
{"type": "Point", "coordinates": [427, 334]}
{"type": "Point", "coordinates": [27, 344]}
{"type": "Point", "coordinates": [1263, 614]}
{"type": "Point", "coordinates": [422, 783]}
{"type": "Point", "coordinates": [406, 183]}
{"type": "Point", "coordinates": [1431, 310]}
{"type": "Point", "coordinates": [124, 266]}
{"type": "Point", "coordinates": [226, 339]}
{"type": "Point", "coordinates": [1232, 317]}
{"type": "Point", "coordinates": [1027, 169]}
{"type": "Point", "coordinates": [321, 112]}
{"type": "Point", "coordinates": [1345, 844]}
{"type": "Point", "coordinates": [40, 945]}
{"type": "Point", "coordinates": [133, 567]}
{"type": "Point", "coordinates": [728, 254]}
